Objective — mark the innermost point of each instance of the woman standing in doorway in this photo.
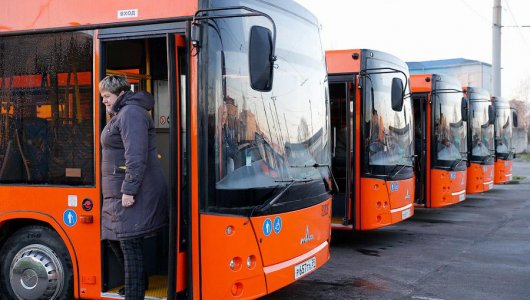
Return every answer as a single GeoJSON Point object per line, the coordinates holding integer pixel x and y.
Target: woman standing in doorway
{"type": "Point", "coordinates": [134, 189]}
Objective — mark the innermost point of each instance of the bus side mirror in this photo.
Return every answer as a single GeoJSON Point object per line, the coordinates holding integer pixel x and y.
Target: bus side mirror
{"type": "Point", "coordinates": [397, 94]}
{"type": "Point", "coordinates": [491, 114]}
{"type": "Point", "coordinates": [514, 116]}
{"type": "Point", "coordinates": [464, 109]}
{"type": "Point", "coordinates": [261, 59]}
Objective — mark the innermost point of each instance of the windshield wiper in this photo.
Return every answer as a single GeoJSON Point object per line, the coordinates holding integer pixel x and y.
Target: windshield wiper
{"type": "Point", "coordinates": [456, 163]}
{"type": "Point", "coordinates": [263, 207]}
{"type": "Point", "coordinates": [317, 165]}
{"type": "Point", "coordinates": [393, 174]}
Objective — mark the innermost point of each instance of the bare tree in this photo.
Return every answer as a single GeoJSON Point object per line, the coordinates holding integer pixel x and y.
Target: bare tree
{"type": "Point", "coordinates": [522, 91]}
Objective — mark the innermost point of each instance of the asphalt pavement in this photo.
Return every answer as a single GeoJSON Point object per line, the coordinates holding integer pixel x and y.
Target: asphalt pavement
{"type": "Point", "coordinates": [477, 249]}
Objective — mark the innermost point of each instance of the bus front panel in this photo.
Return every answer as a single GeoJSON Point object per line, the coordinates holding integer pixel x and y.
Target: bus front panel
{"type": "Point", "coordinates": [475, 179]}
{"type": "Point", "coordinates": [447, 187]}
{"type": "Point", "coordinates": [503, 171]}
{"type": "Point", "coordinates": [385, 202]}
{"type": "Point", "coordinates": [489, 173]}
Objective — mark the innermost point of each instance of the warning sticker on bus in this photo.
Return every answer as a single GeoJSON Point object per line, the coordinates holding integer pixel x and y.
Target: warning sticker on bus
{"type": "Point", "coordinates": [305, 268]}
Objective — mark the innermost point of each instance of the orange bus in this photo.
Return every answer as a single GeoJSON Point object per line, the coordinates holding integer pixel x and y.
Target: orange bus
{"type": "Point", "coordinates": [481, 145]}
{"type": "Point", "coordinates": [242, 124]}
{"type": "Point", "coordinates": [505, 121]}
{"type": "Point", "coordinates": [372, 147]}
{"type": "Point", "coordinates": [440, 115]}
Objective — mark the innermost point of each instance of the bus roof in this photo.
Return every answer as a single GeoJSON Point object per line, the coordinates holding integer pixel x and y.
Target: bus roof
{"type": "Point", "coordinates": [341, 61]}
{"type": "Point", "coordinates": [25, 15]}
{"type": "Point", "coordinates": [425, 82]}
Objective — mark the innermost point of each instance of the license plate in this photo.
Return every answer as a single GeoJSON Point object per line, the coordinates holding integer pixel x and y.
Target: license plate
{"type": "Point", "coordinates": [304, 268]}
{"type": "Point", "coordinates": [490, 185]}
{"type": "Point", "coordinates": [509, 177]}
{"type": "Point", "coordinates": [405, 214]}
{"type": "Point", "coordinates": [461, 197]}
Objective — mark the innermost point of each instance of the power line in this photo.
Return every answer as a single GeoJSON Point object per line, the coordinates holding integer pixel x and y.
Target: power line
{"type": "Point", "coordinates": [485, 19]}
{"type": "Point", "coordinates": [517, 25]}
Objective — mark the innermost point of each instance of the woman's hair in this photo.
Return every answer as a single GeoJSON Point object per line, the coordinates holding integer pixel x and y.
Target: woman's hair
{"type": "Point", "coordinates": [114, 84]}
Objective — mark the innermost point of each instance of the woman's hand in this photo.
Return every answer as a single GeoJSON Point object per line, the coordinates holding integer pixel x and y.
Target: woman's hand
{"type": "Point", "coordinates": [127, 200]}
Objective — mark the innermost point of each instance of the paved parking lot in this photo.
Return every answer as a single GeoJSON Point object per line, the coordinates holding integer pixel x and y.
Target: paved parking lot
{"type": "Point", "coordinates": [477, 249]}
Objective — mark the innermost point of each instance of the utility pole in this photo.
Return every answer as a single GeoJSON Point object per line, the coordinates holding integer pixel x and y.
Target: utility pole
{"type": "Point", "coordinates": [496, 48]}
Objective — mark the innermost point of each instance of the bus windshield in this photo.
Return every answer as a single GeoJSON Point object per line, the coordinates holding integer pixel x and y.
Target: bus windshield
{"type": "Point", "coordinates": [481, 130]}
{"type": "Point", "coordinates": [388, 133]}
{"type": "Point", "coordinates": [262, 142]}
{"type": "Point", "coordinates": [449, 128]}
{"type": "Point", "coordinates": [503, 130]}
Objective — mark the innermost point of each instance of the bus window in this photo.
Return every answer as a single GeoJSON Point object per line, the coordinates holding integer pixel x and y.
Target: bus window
{"type": "Point", "coordinates": [46, 99]}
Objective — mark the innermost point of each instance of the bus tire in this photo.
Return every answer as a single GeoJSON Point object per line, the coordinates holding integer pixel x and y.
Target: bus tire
{"type": "Point", "coordinates": [35, 264]}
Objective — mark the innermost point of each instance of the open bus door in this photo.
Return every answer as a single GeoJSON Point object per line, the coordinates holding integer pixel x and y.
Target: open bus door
{"type": "Point", "coordinates": [419, 103]}
{"type": "Point", "coordinates": [342, 126]}
{"type": "Point", "coordinates": [152, 57]}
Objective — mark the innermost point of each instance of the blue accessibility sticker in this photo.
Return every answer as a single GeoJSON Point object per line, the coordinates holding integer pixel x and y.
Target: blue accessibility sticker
{"type": "Point", "coordinates": [394, 186]}
{"type": "Point", "coordinates": [69, 217]}
{"type": "Point", "coordinates": [452, 175]}
{"type": "Point", "coordinates": [277, 224]}
{"type": "Point", "coordinates": [267, 227]}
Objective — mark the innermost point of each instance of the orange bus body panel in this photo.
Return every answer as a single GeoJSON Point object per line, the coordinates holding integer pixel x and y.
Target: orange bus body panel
{"type": "Point", "coordinates": [44, 14]}
{"type": "Point", "coordinates": [475, 179]}
{"type": "Point", "coordinates": [270, 270]}
{"type": "Point", "coordinates": [489, 173]}
{"type": "Point", "coordinates": [419, 83]}
{"type": "Point", "coordinates": [503, 171]}
{"type": "Point", "coordinates": [479, 178]}
{"type": "Point", "coordinates": [381, 205]}
{"type": "Point", "coordinates": [446, 190]}
{"type": "Point", "coordinates": [282, 274]}
{"type": "Point", "coordinates": [341, 61]}
{"type": "Point", "coordinates": [313, 236]}
{"type": "Point", "coordinates": [239, 245]}
{"type": "Point", "coordinates": [82, 240]}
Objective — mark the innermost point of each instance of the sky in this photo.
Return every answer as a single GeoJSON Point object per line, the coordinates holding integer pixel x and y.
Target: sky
{"type": "Point", "coordinates": [417, 30]}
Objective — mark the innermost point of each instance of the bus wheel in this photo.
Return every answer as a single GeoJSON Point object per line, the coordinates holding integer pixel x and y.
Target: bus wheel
{"type": "Point", "coordinates": [35, 265]}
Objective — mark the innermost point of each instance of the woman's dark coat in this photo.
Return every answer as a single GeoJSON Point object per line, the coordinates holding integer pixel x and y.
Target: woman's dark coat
{"type": "Point", "coordinates": [130, 166]}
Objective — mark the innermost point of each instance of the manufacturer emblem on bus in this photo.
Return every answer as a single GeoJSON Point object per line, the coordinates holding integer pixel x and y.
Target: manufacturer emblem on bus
{"type": "Point", "coordinates": [407, 196]}
{"type": "Point", "coordinates": [394, 186]}
{"type": "Point", "coordinates": [308, 237]}
{"type": "Point", "coordinates": [452, 175]}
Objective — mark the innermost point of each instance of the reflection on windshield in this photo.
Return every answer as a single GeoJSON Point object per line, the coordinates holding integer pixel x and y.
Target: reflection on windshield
{"type": "Point", "coordinates": [449, 129]}
{"type": "Point", "coordinates": [389, 140]}
{"type": "Point", "coordinates": [503, 132]}
{"type": "Point", "coordinates": [481, 130]}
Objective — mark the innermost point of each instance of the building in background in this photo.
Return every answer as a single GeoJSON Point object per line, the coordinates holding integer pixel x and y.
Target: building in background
{"type": "Point", "coordinates": [469, 72]}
